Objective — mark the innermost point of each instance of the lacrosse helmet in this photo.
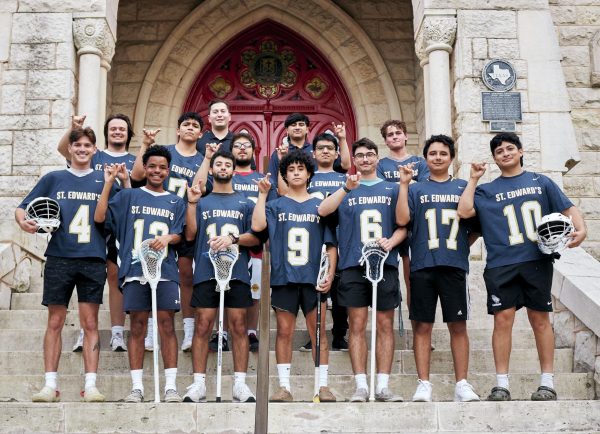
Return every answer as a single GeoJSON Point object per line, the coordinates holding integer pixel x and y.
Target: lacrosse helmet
{"type": "Point", "coordinates": [45, 212]}
{"type": "Point", "coordinates": [553, 232]}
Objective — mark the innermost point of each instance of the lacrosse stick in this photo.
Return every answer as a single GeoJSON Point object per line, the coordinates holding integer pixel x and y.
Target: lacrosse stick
{"type": "Point", "coordinates": [323, 269]}
{"type": "Point", "coordinates": [223, 261]}
{"type": "Point", "coordinates": [373, 256]}
{"type": "Point", "coordinates": [151, 261]}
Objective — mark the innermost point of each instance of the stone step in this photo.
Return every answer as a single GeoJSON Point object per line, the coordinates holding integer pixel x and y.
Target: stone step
{"type": "Point", "coordinates": [24, 339]}
{"type": "Point", "coordinates": [115, 387]}
{"type": "Point", "coordinates": [291, 418]}
{"type": "Point", "coordinates": [481, 361]}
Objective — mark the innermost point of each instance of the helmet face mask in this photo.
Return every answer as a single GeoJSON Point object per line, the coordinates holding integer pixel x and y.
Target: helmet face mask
{"type": "Point", "coordinates": [45, 212]}
{"type": "Point", "coordinates": [554, 232]}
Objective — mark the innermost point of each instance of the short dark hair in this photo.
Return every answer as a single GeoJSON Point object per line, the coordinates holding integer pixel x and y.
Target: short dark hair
{"type": "Point", "coordinates": [505, 137]}
{"type": "Point", "coordinates": [366, 143]}
{"type": "Point", "coordinates": [299, 157]}
{"type": "Point", "coordinates": [236, 136]}
{"type": "Point", "coordinates": [78, 133]}
{"type": "Point", "coordinates": [443, 139]}
{"type": "Point", "coordinates": [392, 122]}
{"type": "Point", "coordinates": [190, 115]}
{"type": "Point", "coordinates": [296, 117]}
{"type": "Point", "coordinates": [325, 136]}
{"type": "Point", "coordinates": [125, 118]}
{"type": "Point", "coordinates": [222, 153]}
{"type": "Point", "coordinates": [156, 151]}
{"type": "Point", "coordinates": [217, 101]}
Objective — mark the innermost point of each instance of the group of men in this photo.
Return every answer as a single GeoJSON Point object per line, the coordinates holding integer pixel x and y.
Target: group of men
{"type": "Point", "coordinates": [202, 193]}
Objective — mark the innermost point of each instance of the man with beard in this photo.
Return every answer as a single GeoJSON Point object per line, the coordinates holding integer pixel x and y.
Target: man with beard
{"type": "Point", "coordinates": [216, 222]}
{"type": "Point", "coordinates": [117, 135]}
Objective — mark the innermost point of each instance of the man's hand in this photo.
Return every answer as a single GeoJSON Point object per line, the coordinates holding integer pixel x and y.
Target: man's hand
{"type": "Point", "coordinates": [325, 286]}
{"type": "Point", "coordinates": [29, 226]}
{"type": "Point", "coordinates": [211, 149]}
{"type": "Point", "coordinates": [77, 121]}
{"type": "Point", "coordinates": [149, 137]}
{"type": "Point", "coordinates": [110, 172]}
{"type": "Point", "coordinates": [353, 181]}
{"type": "Point", "coordinates": [282, 150]}
{"type": "Point", "coordinates": [577, 238]}
{"type": "Point", "coordinates": [339, 130]}
{"type": "Point", "coordinates": [220, 243]}
{"type": "Point", "coordinates": [406, 173]}
{"type": "Point", "coordinates": [122, 173]}
{"type": "Point", "coordinates": [477, 170]}
{"type": "Point", "coordinates": [264, 184]}
{"type": "Point", "coordinates": [194, 193]}
{"type": "Point", "coordinates": [160, 242]}
{"type": "Point", "coordinates": [385, 244]}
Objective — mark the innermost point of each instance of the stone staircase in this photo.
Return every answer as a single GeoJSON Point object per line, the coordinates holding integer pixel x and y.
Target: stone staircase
{"type": "Point", "coordinates": [22, 329]}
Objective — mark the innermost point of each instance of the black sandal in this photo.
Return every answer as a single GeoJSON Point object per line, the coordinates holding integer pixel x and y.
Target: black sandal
{"type": "Point", "coordinates": [544, 393]}
{"type": "Point", "coordinates": [499, 394]}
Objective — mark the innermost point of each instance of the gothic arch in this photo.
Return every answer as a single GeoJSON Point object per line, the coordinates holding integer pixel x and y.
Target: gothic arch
{"type": "Point", "coordinates": [197, 38]}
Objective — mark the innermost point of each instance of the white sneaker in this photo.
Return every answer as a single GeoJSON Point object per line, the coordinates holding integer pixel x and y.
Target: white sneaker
{"type": "Point", "coordinates": [360, 395]}
{"type": "Point", "coordinates": [148, 343]}
{"type": "Point", "coordinates": [186, 344]}
{"type": "Point", "coordinates": [117, 343]}
{"type": "Point", "coordinates": [47, 394]}
{"type": "Point", "coordinates": [195, 393]}
{"type": "Point", "coordinates": [242, 393]}
{"type": "Point", "coordinates": [92, 394]}
{"type": "Point", "coordinates": [136, 396]}
{"type": "Point", "coordinates": [78, 347]}
{"type": "Point", "coordinates": [423, 392]}
{"type": "Point", "coordinates": [463, 392]}
{"type": "Point", "coordinates": [171, 395]}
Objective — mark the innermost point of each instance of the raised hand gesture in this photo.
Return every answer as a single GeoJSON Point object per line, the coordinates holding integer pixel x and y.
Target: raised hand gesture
{"type": "Point", "coordinates": [264, 184]}
{"type": "Point", "coordinates": [477, 170]}
{"type": "Point", "coordinates": [211, 148]}
{"type": "Point", "coordinates": [353, 181]}
{"type": "Point", "coordinates": [77, 121]}
{"type": "Point", "coordinates": [339, 130]}
{"type": "Point", "coordinates": [282, 150]}
{"type": "Point", "coordinates": [194, 193]}
{"type": "Point", "coordinates": [150, 137]}
{"type": "Point", "coordinates": [406, 173]}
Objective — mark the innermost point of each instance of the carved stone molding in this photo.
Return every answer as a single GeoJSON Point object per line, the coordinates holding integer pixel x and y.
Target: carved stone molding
{"type": "Point", "coordinates": [438, 33]}
{"type": "Point", "coordinates": [92, 35]}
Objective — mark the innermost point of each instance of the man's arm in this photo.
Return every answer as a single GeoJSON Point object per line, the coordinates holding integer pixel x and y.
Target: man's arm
{"type": "Point", "coordinates": [580, 231]}
{"type": "Point", "coordinates": [29, 226]}
{"type": "Point", "coordinates": [331, 203]}
{"type": "Point", "coordinates": [194, 194]}
{"type": "Point", "coordinates": [466, 204]}
{"type": "Point", "coordinates": [397, 237]}
{"type": "Point", "coordinates": [259, 215]}
{"type": "Point", "coordinates": [340, 133]}
{"type": "Point", "coordinates": [201, 177]}
{"type": "Point", "coordinates": [137, 172]}
{"type": "Point", "coordinates": [63, 143]}
{"type": "Point", "coordinates": [402, 207]}
{"type": "Point", "coordinates": [110, 173]}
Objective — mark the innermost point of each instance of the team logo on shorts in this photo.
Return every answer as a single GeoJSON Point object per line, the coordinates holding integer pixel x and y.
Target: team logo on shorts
{"type": "Point", "coordinates": [496, 301]}
{"type": "Point", "coordinates": [255, 287]}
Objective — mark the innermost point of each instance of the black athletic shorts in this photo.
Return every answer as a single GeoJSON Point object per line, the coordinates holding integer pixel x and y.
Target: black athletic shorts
{"type": "Point", "coordinates": [356, 291]}
{"type": "Point", "coordinates": [526, 284]}
{"type": "Point", "coordinates": [62, 275]}
{"type": "Point", "coordinates": [185, 248]}
{"type": "Point", "coordinates": [293, 297]}
{"type": "Point", "coordinates": [404, 247]}
{"type": "Point", "coordinates": [205, 295]}
{"type": "Point", "coordinates": [111, 249]}
{"type": "Point", "coordinates": [138, 297]}
{"type": "Point", "coordinates": [447, 283]}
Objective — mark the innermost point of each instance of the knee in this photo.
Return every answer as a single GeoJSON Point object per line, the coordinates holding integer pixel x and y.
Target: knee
{"type": "Point", "coordinates": [237, 327]}
{"type": "Point", "coordinates": [166, 326]}
{"type": "Point", "coordinates": [202, 328]}
{"type": "Point", "coordinates": [423, 328]}
{"type": "Point", "coordinates": [56, 323]}
{"type": "Point", "coordinates": [284, 333]}
{"type": "Point", "coordinates": [458, 328]}
{"type": "Point", "coordinates": [539, 323]}
{"type": "Point", "coordinates": [385, 325]}
{"type": "Point", "coordinates": [504, 319]}
{"type": "Point", "coordinates": [137, 327]}
{"type": "Point", "coordinates": [90, 324]}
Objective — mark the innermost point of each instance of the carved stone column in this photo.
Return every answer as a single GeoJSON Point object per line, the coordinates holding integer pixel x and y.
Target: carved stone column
{"type": "Point", "coordinates": [437, 38]}
{"type": "Point", "coordinates": [95, 48]}
{"type": "Point", "coordinates": [424, 62]}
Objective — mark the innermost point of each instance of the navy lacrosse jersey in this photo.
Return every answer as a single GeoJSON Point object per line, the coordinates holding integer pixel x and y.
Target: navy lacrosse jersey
{"type": "Point", "coordinates": [77, 236]}
{"type": "Point", "coordinates": [509, 209]}
{"type": "Point", "coordinates": [322, 184]}
{"type": "Point", "coordinates": [365, 214]}
{"type": "Point", "coordinates": [244, 182]}
{"type": "Point", "coordinates": [439, 237]}
{"type": "Point", "coordinates": [221, 214]}
{"type": "Point", "coordinates": [135, 215]}
{"type": "Point", "coordinates": [182, 171]}
{"type": "Point", "coordinates": [100, 158]}
{"type": "Point", "coordinates": [297, 235]}
{"type": "Point", "coordinates": [387, 168]}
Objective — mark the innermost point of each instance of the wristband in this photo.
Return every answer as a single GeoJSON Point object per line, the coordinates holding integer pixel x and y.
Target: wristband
{"type": "Point", "coordinates": [346, 189]}
{"type": "Point", "coordinates": [189, 201]}
{"type": "Point", "coordinates": [234, 239]}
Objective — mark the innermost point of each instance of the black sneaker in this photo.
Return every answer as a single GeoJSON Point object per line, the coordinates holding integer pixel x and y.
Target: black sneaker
{"type": "Point", "coordinates": [214, 342]}
{"type": "Point", "coordinates": [339, 344]}
{"type": "Point", "coordinates": [253, 340]}
{"type": "Point", "coordinates": [307, 347]}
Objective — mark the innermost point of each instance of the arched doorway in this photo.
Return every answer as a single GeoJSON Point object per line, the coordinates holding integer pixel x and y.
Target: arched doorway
{"type": "Point", "coordinates": [265, 73]}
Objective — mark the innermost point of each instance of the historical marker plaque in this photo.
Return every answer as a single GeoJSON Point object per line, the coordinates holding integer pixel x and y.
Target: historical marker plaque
{"type": "Point", "coordinates": [499, 75]}
{"type": "Point", "coordinates": [501, 106]}
{"type": "Point", "coordinates": [503, 126]}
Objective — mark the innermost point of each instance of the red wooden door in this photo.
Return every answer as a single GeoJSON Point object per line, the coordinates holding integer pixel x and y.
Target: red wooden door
{"type": "Point", "coordinates": [265, 73]}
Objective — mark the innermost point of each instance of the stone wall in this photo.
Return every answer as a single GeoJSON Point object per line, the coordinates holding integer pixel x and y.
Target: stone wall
{"type": "Point", "coordinates": [578, 25]}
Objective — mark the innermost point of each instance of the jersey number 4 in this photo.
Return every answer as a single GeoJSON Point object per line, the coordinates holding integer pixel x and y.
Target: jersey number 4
{"type": "Point", "coordinates": [80, 224]}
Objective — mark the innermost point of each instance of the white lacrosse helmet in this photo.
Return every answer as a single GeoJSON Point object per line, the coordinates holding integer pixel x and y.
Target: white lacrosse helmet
{"type": "Point", "coordinates": [553, 232]}
{"type": "Point", "coordinates": [45, 212]}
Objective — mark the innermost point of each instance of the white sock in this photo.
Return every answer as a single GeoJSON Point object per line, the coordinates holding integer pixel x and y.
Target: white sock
{"type": "Point", "coordinates": [323, 373]}
{"type": "Point", "coordinates": [382, 382]}
{"type": "Point", "coordinates": [90, 380]}
{"type": "Point", "coordinates": [283, 370]}
{"type": "Point", "coordinates": [149, 333]}
{"type": "Point", "coordinates": [461, 382]}
{"type": "Point", "coordinates": [547, 379]}
{"type": "Point", "coordinates": [251, 332]}
{"type": "Point", "coordinates": [116, 329]}
{"type": "Point", "coordinates": [136, 379]}
{"type": "Point", "coordinates": [200, 379]}
{"type": "Point", "coordinates": [502, 381]}
{"type": "Point", "coordinates": [361, 381]}
{"type": "Point", "coordinates": [170, 377]}
{"type": "Point", "coordinates": [188, 326]}
{"type": "Point", "coordinates": [51, 379]}
{"type": "Point", "coordinates": [239, 377]}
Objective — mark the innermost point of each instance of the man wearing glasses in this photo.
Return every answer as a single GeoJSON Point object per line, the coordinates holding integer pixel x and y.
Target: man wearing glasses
{"type": "Point", "coordinates": [366, 211]}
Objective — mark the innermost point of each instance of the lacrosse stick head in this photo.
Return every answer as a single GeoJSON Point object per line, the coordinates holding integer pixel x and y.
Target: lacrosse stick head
{"type": "Point", "coordinates": [223, 262]}
{"type": "Point", "coordinates": [553, 233]}
{"type": "Point", "coordinates": [373, 256]}
{"type": "Point", "coordinates": [151, 260]}
{"type": "Point", "coordinates": [323, 266]}
{"type": "Point", "coordinates": [45, 212]}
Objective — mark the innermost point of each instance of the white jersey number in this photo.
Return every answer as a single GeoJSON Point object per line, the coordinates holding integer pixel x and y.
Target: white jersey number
{"type": "Point", "coordinates": [177, 186]}
{"type": "Point", "coordinates": [80, 224]}
{"type": "Point", "coordinates": [155, 228]}
{"type": "Point", "coordinates": [370, 225]}
{"type": "Point", "coordinates": [226, 229]}
{"type": "Point", "coordinates": [449, 217]}
{"type": "Point", "coordinates": [298, 244]}
{"type": "Point", "coordinates": [531, 213]}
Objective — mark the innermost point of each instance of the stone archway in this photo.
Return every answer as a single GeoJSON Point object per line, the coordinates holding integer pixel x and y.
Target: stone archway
{"type": "Point", "coordinates": [198, 37]}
